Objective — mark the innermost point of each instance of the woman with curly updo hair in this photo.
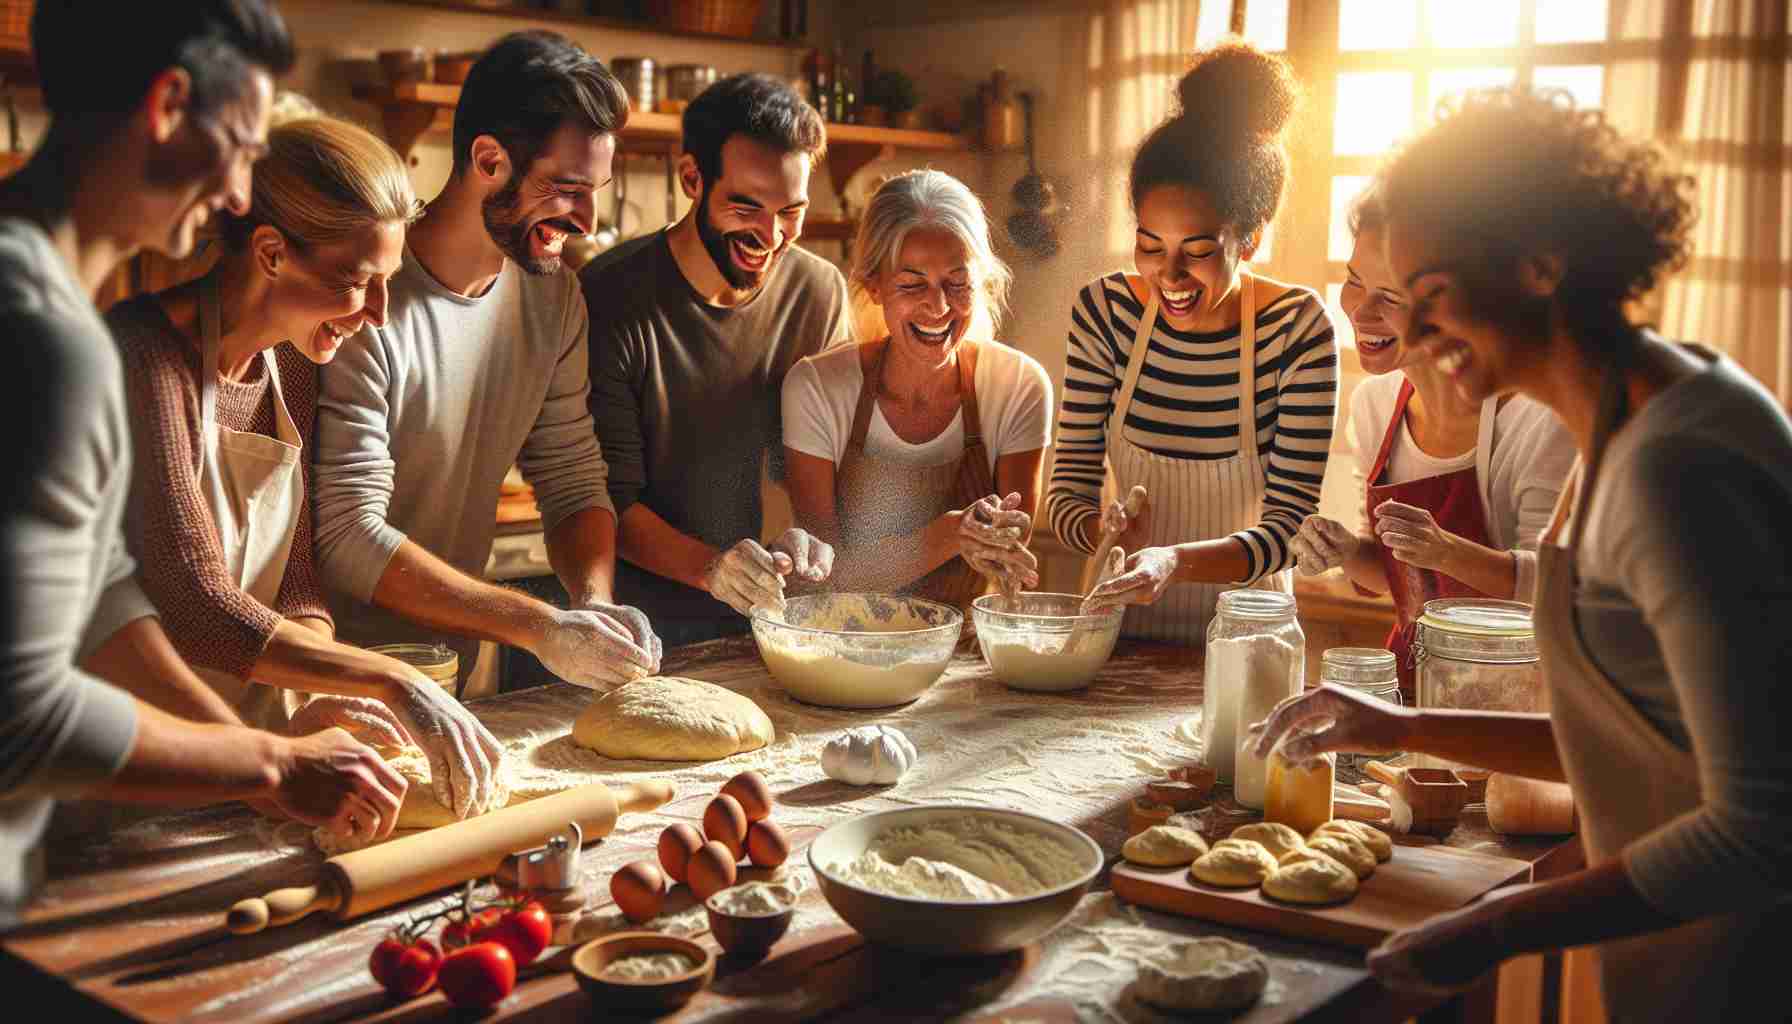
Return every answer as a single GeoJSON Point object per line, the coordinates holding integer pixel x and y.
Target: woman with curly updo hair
{"type": "Point", "coordinates": [1523, 230]}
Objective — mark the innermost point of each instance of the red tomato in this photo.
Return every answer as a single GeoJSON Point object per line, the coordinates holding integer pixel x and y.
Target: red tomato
{"type": "Point", "coordinates": [461, 932]}
{"type": "Point", "coordinates": [524, 930]}
{"type": "Point", "coordinates": [478, 976]}
{"type": "Point", "coordinates": [405, 970]}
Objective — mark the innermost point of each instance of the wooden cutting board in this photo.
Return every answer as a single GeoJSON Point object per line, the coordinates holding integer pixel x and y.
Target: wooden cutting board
{"type": "Point", "coordinates": [1421, 881]}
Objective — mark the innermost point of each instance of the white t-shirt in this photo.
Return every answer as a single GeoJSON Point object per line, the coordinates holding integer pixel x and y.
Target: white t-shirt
{"type": "Point", "coordinates": [1014, 397]}
{"type": "Point", "coordinates": [1518, 480]}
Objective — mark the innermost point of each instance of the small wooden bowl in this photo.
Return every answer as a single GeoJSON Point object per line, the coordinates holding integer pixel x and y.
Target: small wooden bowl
{"type": "Point", "coordinates": [749, 934]}
{"type": "Point", "coordinates": [453, 68]}
{"type": "Point", "coordinates": [1144, 813]}
{"type": "Point", "coordinates": [591, 959]}
{"type": "Point", "coordinates": [1437, 797]}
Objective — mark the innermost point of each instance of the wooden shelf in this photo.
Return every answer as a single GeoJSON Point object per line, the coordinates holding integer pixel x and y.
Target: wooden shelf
{"type": "Point", "coordinates": [537, 15]}
{"type": "Point", "coordinates": [414, 109]}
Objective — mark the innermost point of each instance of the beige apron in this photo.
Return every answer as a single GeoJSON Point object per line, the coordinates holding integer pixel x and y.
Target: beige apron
{"type": "Point", "coordinates": [879, 498]}
{"type": "Point", "coordinates": [254, 486]}
{"type": "Point", "coordinates": [1190, 499]}
{"type": "Point", "coordinates": [1629, 779]}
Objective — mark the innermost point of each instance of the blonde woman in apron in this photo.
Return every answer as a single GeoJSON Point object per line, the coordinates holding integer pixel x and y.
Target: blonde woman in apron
{"type": "Point", "coordinates": [1663, 652]}
{"type": "Point", "coordinates": [219, 518]}
{"type": "Point", "coordinates": [918, 455]}
{"type": "Point", "coordinates": [1206, 384]}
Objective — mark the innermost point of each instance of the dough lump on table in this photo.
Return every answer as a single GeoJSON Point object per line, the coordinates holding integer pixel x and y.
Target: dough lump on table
{"type": "Point", "coordinates": [1164, 846]}
{"type": "Point", "coordinates": [1276, 837]}
{"type": "Point", "coordinates": [1316, 881]}
{"type": "Point", "coordinates": [666, 718]}
{"type": "Point", "coordinates": [1204, 975]}
{"type": "Point", "coordinates": [1234, 863]}
{"type": "Point", "coordinates": [420, 808]}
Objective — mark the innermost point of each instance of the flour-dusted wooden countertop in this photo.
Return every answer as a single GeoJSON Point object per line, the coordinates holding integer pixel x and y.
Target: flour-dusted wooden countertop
{"type": "Point", "coordinates": [131, 922]}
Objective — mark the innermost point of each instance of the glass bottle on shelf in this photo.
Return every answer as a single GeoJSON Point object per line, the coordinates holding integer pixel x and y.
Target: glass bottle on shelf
{"type": "Point", "coordinates": [818, 68]}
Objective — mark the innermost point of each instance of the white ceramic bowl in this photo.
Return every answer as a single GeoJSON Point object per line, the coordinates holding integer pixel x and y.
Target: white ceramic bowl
{"type": "Point", "coordinates": [948, 927]}
{"type": "Point", "coordinates": [1043, 642]}
{"type": "Point", "coordinates": [857, 650]}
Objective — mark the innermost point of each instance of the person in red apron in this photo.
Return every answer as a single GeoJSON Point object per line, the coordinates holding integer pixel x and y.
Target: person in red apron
{"type": "Point", "coordinates": [1665, 660]}
{"type": "Point", "coordinates": [219, 518]}
{"type": "Point", "coordinates": [1205, 383]}
{"type": "Point", "coordinates": [918, 455]}
{"type": "Point", "coordinates": [1456, 491]}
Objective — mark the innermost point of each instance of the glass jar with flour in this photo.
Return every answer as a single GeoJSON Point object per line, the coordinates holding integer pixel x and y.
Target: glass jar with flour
{"type": "Point", "coordinates": [1372, 672]}
{"type": "Point", "coordinates": [1256, 657]}
{"type": "Point", "coordinates": [1478, 655]}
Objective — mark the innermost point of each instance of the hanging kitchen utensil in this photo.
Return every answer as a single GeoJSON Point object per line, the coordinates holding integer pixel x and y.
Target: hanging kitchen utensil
{"type": "Point", "coordinates": [1033, 226]}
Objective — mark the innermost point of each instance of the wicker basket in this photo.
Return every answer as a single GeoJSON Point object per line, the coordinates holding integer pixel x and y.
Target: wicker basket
{"type": "Point", "coordinates": [716, 17]}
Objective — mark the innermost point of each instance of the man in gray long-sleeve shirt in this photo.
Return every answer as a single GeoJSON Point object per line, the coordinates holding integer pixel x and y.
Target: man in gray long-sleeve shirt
{"type": "Point", "coordinates": [479, 363]}
{"type": "Point", "coordinates": [143, 147]}
{"type": "Point", "coordinates": [693, 331]}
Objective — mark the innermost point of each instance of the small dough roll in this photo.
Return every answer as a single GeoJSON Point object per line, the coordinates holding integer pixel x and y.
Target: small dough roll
{"type": "Point", "coordinates": [1164, 846]}
{"type": "Point", "coordinates": [1204, 975]}
{"type": "Point", "coordinates": [1348, 851]}
{"type": "Point", "coordinates": [1234, 864]}
{"type": "Point", "coordinates": [1315, 881]}
{"type": "Point", "coordinates": [1378, 842]}
{"type": "Point", "coordinates": [1276, 837]}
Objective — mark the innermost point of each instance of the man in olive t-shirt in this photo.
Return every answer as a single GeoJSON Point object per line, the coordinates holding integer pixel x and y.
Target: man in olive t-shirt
{"type": "Point", "coordinates": [692, 331]}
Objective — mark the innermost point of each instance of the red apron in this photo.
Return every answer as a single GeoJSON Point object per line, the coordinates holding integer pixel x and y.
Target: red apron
{"type": "Point", "coordinates": [1454, 500]}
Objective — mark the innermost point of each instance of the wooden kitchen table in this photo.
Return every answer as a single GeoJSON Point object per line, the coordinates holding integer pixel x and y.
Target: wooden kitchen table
{"type": "Point", "coordinates": [130, 924]}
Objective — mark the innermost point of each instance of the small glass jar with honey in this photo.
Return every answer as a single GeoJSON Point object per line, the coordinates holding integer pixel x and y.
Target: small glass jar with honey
{"type": "Point", "coordinates": [1299, 794]}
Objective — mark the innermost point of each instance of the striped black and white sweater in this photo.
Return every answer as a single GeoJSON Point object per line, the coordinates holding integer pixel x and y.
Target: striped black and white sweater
{"type": "Point", "coordinates": [1186, 406]}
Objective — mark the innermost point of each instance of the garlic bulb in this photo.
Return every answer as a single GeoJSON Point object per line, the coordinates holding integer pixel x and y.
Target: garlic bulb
{"type": "Point", "coordinates": [870, 755]}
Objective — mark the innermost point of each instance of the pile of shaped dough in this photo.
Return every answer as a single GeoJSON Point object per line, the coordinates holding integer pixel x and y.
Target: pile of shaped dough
{"type": "Point", "coordinates": [1315, 880]}
{"type": "Point", "coordinates": [1346, 850]}
{"type": "Point", "coordinates": [1375, 839]}
{"type": "Point", "coordinates": [1234, 864]}
{"type": "Point", "coordinates": [1164, 846]}
{"type": "Point", "coordinates": [1204, 975]}
{"type": "Point", "coordinates": [666, 718]}
{"type": "Point", "coordinates": [1275, 837]}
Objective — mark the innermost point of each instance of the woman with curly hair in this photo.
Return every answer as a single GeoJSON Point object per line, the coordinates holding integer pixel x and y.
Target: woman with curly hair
{"type": "Point", "coordinates": [1523, 229]}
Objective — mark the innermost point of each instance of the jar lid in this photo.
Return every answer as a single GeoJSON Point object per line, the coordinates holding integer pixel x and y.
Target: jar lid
{"type": "Point", "coordinates": [1256, 604]}
{"type": "Point", "coordinates": [1359, 666]}
{"type": "Point", "coordinates": [1478, 629]}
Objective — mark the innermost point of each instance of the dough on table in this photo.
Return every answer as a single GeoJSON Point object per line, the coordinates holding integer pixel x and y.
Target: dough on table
{"type": "Point", "coordinates": [1235, 863]}
{"type": "Point", "coordinates": [1378, 842]}
{"type": "Point", "coordinates": [667, 718]}
{"type": "Point", "coordinates": [1208, 974]}
{"type": "Point", "coordinates": [1276, 837]}
{"type": "Point", "coordinates": [1315, 881]}
{"type": "Point", "coordinates": [420, 808]}
{"type": "Point", "coordinates": [1346, 850]}
{"type": "Point", "coordinates": [1163, 846]}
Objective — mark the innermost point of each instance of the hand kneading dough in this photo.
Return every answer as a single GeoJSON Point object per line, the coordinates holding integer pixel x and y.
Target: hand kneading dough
{"type": "Point", "coordinates": [1162, 846]}
{"type": "Point", "coordinates": [664, 718]}
{"type": "Point", "coordinates": [1208, 974]}
{"type": "Point", "coordinates": [1275, 837]}
{"type": "Point", "coordinates": [1235, 863]}
{"type": "Point", "coordinates": [1311, 881]}
{"type": "Point", "coordinates": [421, 809]}
{"type": "Point", "coordinates": [1348, 851]}
{"type": "Point", "coordinates": [1375, 839]}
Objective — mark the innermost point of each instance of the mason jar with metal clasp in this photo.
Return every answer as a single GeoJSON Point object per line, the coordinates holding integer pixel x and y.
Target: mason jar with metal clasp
{"type": "Point", "coordinates": [1476, 654]}
{"type": "Point", "coordinates": [1372, 672]}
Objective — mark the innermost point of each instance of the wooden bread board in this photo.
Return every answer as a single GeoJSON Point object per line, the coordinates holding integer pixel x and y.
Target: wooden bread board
{"type": "Point", "coordinates": [1420, 882]}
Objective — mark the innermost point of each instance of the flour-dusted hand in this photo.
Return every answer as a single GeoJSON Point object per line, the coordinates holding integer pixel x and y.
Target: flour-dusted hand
{"type": "Point", "coordinates": [366, 719]}
{"type": "Point", "coordinates": [1127, 523]}
{"type": "Point", "coordinates": [1142, 580]}
{"type": "Point", "coordinates": [634, 622]}
{"type": "Point", "coordinates": [747, 576]}
{"type": "Point", "coordinates": [1330, 718]}
{"type": "Point", "coordinates": [1413, 535]}
{"type": "Point", "coordinates": [811, 558]}
{"type": "Point", "coordinates": [332, 780]}
{"type": "Point", "coordinates": [591, 649]}
{"type": "Point", "coordinates": [992, 534]}
{"type": "Point", "coordinates": [464, 757]}
{"type": "Point", "coordinates": [1322, 544]}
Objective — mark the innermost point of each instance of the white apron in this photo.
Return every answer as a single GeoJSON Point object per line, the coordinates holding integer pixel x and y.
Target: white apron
{"type": "Point", "coordinates": [1190, 499]}
{"type": "Point", "coordinates": [254, 486]}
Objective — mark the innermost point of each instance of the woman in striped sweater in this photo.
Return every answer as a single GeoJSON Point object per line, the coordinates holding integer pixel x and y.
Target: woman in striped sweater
{"type": "Point", "coordinates": [1165, 367]}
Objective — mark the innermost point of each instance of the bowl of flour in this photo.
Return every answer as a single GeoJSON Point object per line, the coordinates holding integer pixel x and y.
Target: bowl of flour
{"type": "Point", "coordinates": [1040, 641]}
{"type": "Point", "coordinates": [952, 880]}
{"type": "Point", "coordinates": [857, 650]}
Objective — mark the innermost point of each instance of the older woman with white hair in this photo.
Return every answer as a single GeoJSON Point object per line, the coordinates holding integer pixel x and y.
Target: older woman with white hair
{"type": "Point", "coordinates": [918, 454]}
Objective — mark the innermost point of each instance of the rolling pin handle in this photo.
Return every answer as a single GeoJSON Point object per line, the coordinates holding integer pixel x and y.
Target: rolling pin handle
{"type": "Point", "coordinates": [282, 906]}
{"type": "Point", "coordinates": [643, 796]}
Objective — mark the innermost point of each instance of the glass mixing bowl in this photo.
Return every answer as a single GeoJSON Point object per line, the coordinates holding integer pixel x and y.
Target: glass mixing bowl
{"type": "Point", "coordinates": [857, 650]}
{"type": "Point", "coordinates": [1042, 642]}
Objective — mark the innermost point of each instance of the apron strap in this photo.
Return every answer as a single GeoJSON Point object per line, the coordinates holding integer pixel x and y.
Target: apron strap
{"type": "Point", "coordinates": [1380, 465]}
{"type": "Point", "coordinates": [1247, 371]}
{"type": "Point", "coordinates": [1135, 364]}
{"type": "Point", "coordinates": [871, 364]}
{"type": "Point", "coordinates": [967, 393]}
{"type": "Point", "coordinates": [210, 342]}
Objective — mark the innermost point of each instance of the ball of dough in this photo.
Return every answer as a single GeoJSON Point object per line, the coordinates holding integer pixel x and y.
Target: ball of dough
{"type": "Point", "coordinates": [1276, 837]}
{"type": "Point", "coordinates": [1162, 846]}
{"type": "Point", "coordinates": [1348, 851]}
{"type": "Point", "coordinates": [1313, 881]}
{"type": "Point", "coordinates": [665, 718]}
{"type": "Point", "coordinates": [1378, 842]}
{"type": "Point", "coordinates": [1204, 975]}
{"type": "Point", "coordinates": [1234, 863]}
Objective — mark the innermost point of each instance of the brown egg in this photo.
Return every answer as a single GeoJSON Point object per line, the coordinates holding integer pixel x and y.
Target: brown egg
{"type": "Point", "coordinates": [767, 844]}
{"type": "Point", "coordinates": [712, 870]}
{"type": "Point", "coordinates": [677, 844]}
{"type": "Point", "coordinates": [639, 890]}
{"type": "Point", "coordinates": [754, 795]}
{"type": "Point", "coordinates": [725, 822]}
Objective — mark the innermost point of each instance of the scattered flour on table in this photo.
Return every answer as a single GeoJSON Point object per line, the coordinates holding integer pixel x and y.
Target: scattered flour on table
{"type": "Point", "coordinates": [753, 899]}
{"type": "Point", "coordinates": [966, 858]}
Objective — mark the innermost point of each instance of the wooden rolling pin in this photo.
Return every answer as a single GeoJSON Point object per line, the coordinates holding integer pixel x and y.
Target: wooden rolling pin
{"type": "Point", "coordinates": [375, 878]}
{"type": "Point", "coordinates": [1518, 806]}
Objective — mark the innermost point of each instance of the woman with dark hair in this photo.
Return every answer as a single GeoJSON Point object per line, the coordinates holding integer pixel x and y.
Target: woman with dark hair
{"type": "Point", "coordinates": [1523, 229]}
{"type": "Point", "coordinates": [1202, 382]}
{"type": "Point", "coordinates": [1456, 491]}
